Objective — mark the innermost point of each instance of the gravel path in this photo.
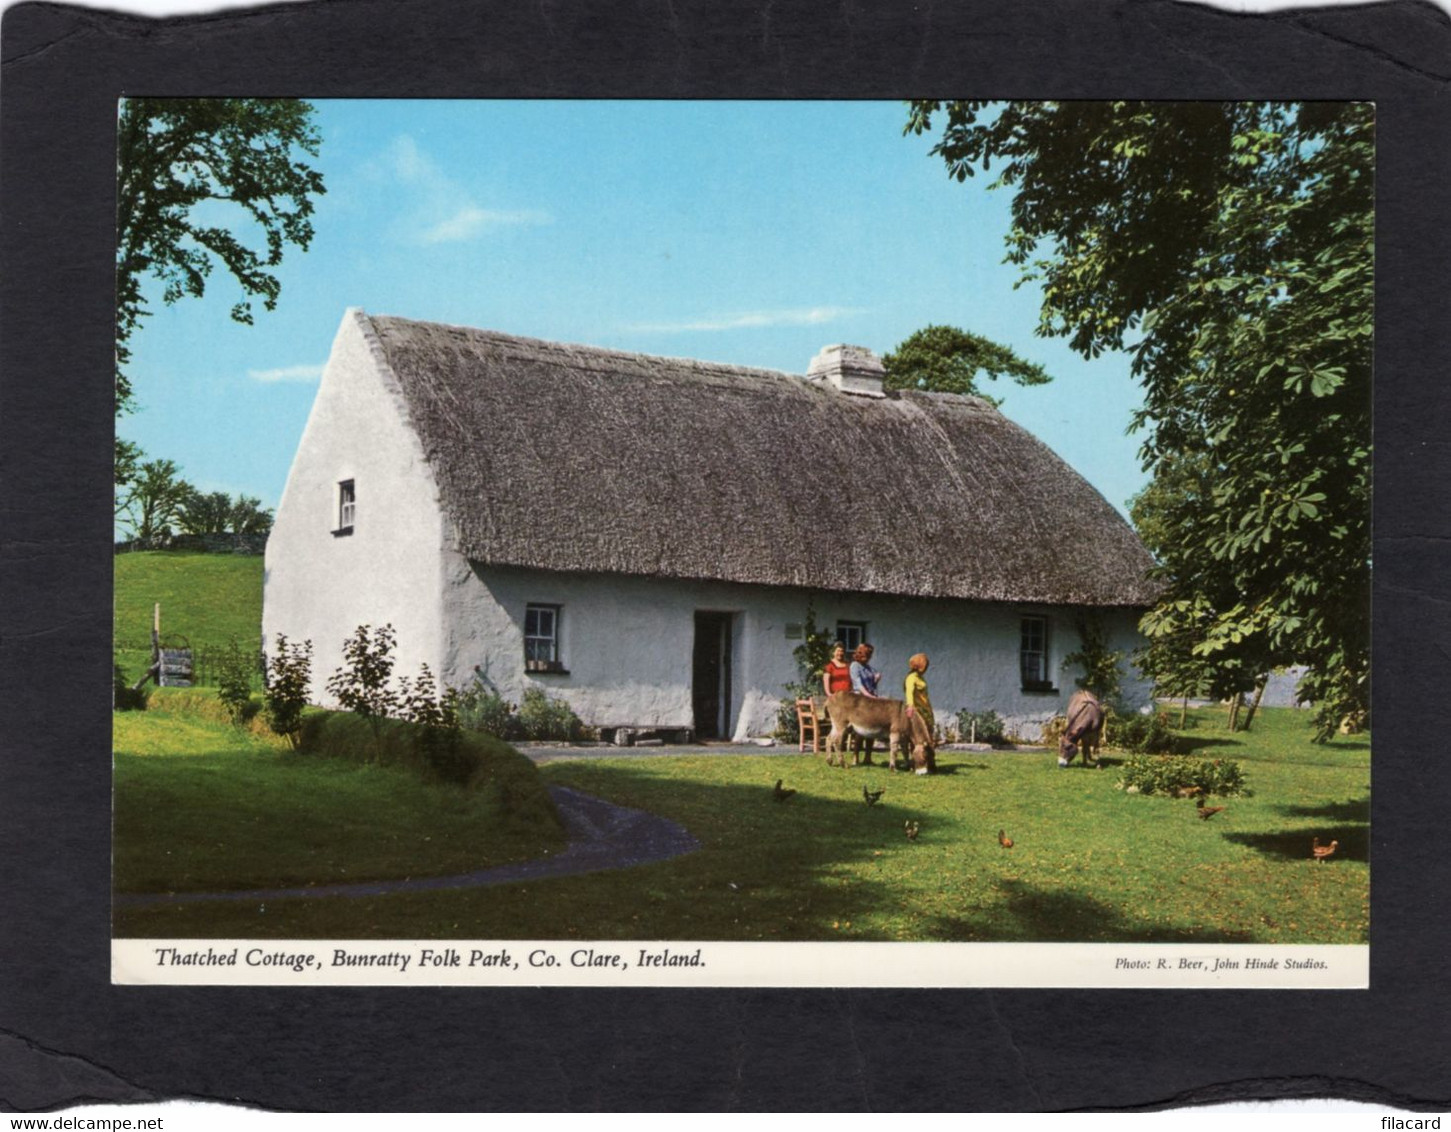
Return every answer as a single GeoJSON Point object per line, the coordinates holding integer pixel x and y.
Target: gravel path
{"type": "Point", "coordinates": [600, 836]}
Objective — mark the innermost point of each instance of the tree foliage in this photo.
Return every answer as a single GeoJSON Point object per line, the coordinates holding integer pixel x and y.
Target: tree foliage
{"type": "Point", "coordinates": [182, 164]}
{"type": "Point", "coordinates": [154, 499]}
{"type": "Point", "coordinates": [945, 359]}
{"type": "Point", "coordinates": [153, 502]}
{"type": "Point", "coordinates": [216, 512]}
{"type": "Point", "coordinates": [204, 513]}
{"type": "Point", "coordinates": [127, 467]}
{"type": "Point", "coordinates": [247, 516]}
{"type": "Point", "coordinates": [1228, 247]}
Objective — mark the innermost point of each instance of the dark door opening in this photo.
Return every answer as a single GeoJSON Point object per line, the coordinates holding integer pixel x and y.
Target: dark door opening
{"type": "Point", "coordinates": [710, 675]}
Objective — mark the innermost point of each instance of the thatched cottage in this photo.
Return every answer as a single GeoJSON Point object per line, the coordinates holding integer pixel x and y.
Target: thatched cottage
{"type": "Point", "coordinates": [643, 536]}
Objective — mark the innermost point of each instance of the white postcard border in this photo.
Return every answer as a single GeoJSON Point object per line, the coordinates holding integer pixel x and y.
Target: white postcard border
{"type": "Point", "coordinates": [641, 963]}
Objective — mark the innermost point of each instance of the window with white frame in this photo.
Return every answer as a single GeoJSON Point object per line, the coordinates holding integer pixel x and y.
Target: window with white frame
{"type": "Point", "coordinates": [851, 634]}
{"type": "Point", "coordinates": [1033, 654]}
{"type": "Point", "coordinates": [347, 507]}
{"type": "Point", "coordinates": [541, 638]}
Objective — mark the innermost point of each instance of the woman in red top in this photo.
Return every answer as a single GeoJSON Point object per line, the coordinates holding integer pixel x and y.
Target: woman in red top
{"type": "Point", "coordinates": [837, 676]}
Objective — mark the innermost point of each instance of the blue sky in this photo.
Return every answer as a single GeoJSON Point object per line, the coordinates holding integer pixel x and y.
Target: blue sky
{"type": "Point", "coordinates": [743, 232]}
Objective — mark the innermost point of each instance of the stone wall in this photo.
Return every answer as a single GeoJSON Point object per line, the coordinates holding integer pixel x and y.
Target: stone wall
{"type": "Point", "coordinates": [205, 544]}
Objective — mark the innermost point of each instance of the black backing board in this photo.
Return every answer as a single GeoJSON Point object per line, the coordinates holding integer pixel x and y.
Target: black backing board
{"type": "Point", "coordinates": [67, 1034]}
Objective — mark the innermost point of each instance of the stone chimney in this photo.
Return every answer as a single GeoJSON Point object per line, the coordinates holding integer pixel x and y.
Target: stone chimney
{"type": "Point", "coordinates": [850, 369]}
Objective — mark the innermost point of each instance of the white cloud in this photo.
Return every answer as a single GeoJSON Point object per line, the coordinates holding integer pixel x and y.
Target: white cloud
{"type": "Point", "coordinates": [286, 373]}
{"type": "Point", "coordinates": [470, 221]}
{"type": "Point", "coordinates": [808, 316]}
{"type": "Point", "coordinates": [445, 212]}
{"type": "Point", "coordinates": [408, 161]}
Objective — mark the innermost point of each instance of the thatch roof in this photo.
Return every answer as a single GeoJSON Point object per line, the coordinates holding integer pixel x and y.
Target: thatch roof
{"type": "Point", "coordinates": [581, 459]}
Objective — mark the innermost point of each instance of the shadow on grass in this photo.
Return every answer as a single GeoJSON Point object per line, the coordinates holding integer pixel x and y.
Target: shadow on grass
{"type": "Point", "coordinates": [793, 869]}
{"type": "Point", "coordinates": [1295, 846]}
{"type": "Point", "coordinates": [1189, 745]}
{"type": "Point", "coordinates": [949, 768]}
{"type": "Point", "coordinates": [1105, 762]}
{"type": "Point", "coordinates": [1034, 914]}
{"type": "Point", "coordinates": [821, 865]}
{"type": "Point", "coordinates": [1357, 812]}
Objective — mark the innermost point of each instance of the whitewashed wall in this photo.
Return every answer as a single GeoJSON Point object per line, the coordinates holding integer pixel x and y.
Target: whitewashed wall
{"type": "Point", "coordinates": [627, 644]}
{"type": "Point", "coordinates": [320, 586]}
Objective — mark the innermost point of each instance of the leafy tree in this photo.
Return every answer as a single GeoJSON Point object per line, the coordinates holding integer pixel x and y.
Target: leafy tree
{"type": "Point", "coordinates": [178, 159]}
{"type": "Point", "coordinates": [128, 466]}
{"type": "Point", "coordinates": [248, 517]}
{"type": "Point", "coordinates": [156, 495]}
{"type": "Point", "coordinates": [944, 359]}
{"type": "Point", "coordinates": [216, 512]}
{"type": "Point", "coordinates": [1166, 515]}
{"type": "Point", "coordinates": [204, 513]}
{"type": "Point", "coordinates": [1229, 248]}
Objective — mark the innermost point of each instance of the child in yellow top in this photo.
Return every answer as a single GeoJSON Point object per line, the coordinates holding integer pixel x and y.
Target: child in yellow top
{"type": "Point", "coordinates": [916, 689]}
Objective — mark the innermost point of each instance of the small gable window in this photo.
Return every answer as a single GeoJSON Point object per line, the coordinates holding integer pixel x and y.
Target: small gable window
{"type": "Point", "coordinates": [1033, 655]}
{"type": "Point", "coordinates": [541, 639]}
{"type": "Point", "coordinates": [347, 507]}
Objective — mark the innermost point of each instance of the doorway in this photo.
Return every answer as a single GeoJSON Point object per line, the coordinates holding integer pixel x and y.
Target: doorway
{"type": "Point", "coordinates": [710, 675]}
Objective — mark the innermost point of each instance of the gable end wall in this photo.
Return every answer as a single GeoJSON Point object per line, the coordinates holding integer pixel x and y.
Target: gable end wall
{"type": "Point", "coordinates": [321, 586]}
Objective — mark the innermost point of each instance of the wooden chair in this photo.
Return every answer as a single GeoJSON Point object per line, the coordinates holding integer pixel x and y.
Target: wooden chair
{"type": "Point", "coordinates": [808, 723]}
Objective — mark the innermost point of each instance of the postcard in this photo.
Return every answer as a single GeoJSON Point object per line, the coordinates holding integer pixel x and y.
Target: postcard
{"type": "Point", "coordinates": [709, 557]}
{"type": "Point", "coordinates": [625, 561]}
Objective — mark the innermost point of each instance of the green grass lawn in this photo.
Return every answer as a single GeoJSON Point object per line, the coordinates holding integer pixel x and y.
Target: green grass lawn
{"type": "Point", "coordinates": [203, 806]}
{"type": "Point", "coordinates": [1089, 863]}
{"type": "Point", "coordinates": [207, 598]}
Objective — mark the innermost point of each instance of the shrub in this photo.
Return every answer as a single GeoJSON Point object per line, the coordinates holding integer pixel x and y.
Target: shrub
{"type": "Point", "coordinates": [436, 719]}
{"type": "Point", "coordinates": [1141, 734]}
{"type": "Point", "coordinates": [234, 684]}
{"type": "Point", "coordinates": [418, 701]}
{"type": "Point", "coordinates": [1101, 673]}
{"type": "Point", "coordinates": [986, 725]}
{"type": "Point", "coordinates": [1169, 774]}
{"type": "Point", "coordinates": [288, 675]}
{"type": "Point", "coordinates": [361, 685]}
{"type": "Point", "coordinates": [812, 655]}
{"type": "Point", "coordinates": [123, 697]}
{"type": "Point", "coordinates": [543, 718]}
{"type": "Point", "coordinates": [483, 709]}
{"type": "Point", "coordinates": [788, 726]}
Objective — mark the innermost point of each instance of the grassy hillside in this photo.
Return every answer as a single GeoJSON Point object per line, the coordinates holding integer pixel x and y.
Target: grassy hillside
{"type": "Point", "coordinates": [207, 598]}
